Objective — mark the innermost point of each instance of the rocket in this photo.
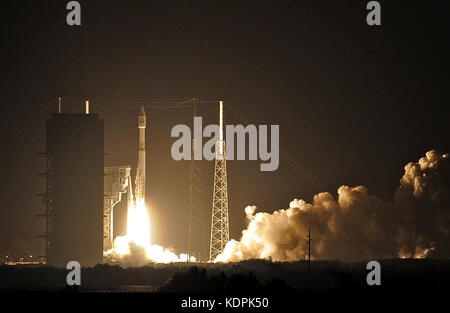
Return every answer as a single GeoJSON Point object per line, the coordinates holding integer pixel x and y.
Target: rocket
{"type": "Point", "coordinates": [140, 172]}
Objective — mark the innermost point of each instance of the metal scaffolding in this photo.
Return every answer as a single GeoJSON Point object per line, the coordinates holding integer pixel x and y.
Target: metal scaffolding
{"type": "Point", "coordinates": [116, 181]}
{"type": "Point", "coordinates": [220, 233]}
{"type": "Point", "coordinates": [47, 200]}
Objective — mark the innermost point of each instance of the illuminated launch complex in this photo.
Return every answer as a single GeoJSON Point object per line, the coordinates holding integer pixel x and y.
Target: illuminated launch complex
{"type": "Point", "coordinates": [81, 194]}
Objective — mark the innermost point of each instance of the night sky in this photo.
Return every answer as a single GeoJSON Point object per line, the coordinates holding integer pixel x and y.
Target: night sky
{"type": "Point", "coordinates": [354, 103]}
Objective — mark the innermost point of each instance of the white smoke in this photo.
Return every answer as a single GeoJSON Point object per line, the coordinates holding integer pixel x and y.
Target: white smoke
{"type": "Point", "coordinates": [357, 225]}
{"type": "Point", "coordinates": [138, 255]}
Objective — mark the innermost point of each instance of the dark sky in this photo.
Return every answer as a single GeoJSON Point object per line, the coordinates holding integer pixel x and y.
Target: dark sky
{"type": "Point", "coordinates": [354, 103]}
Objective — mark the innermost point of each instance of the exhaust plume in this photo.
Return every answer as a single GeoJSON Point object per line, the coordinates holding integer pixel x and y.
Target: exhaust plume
{"type": "Point", "coordinates": [357, 225]}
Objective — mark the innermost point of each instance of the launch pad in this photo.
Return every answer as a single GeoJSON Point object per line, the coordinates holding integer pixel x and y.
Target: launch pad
{"type": "Point", "coordinates": [117, 181]}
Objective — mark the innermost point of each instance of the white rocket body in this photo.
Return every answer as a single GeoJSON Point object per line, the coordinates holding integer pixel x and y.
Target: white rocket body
{"type": "Point", "coordinates": [140, 172]}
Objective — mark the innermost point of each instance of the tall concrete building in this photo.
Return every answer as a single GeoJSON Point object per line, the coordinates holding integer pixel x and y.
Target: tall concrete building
{"type": "Point", "coordinates": [75, 157]}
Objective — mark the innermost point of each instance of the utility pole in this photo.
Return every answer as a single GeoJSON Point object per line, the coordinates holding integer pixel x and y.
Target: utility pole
{"type": "Point", "coordinates": [191, 194]}
{"type": "Point", "coordinates": [59, 105]}
{"type": "Point", "coordinates": [309, 249]}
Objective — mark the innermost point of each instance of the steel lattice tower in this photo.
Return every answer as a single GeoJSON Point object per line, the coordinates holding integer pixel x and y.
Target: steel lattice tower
{"type": "Point", "coordinates": [219, 219]}
{"type": "Point", "coordinates": [196, 245]}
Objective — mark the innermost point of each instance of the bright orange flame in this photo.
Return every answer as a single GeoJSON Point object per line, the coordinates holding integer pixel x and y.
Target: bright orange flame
{"type": "Point", "coordinates": [138, 232]}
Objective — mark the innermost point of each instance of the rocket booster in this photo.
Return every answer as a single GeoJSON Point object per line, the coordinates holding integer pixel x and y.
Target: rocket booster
{"type": "Point", "coordinates": [140, 172]}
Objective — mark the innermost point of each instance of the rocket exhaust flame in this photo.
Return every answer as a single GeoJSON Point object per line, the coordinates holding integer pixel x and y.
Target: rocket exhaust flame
{"type": "Point", "coordinates": [138, 228]}
{"type": "Point", "coordinates": [135, 248]}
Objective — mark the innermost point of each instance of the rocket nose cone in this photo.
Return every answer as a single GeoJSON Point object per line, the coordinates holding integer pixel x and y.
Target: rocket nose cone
{"type": "Point", "coordinates": [142, 111]}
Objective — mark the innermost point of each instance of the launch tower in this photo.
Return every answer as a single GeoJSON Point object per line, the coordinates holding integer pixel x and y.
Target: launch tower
{"type": "Point", "coordinates": [116, 181]}
{"type": "Point", "coordinates": [219, 218]}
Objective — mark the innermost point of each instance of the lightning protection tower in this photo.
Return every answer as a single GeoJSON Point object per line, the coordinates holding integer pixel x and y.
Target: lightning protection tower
{"type": "Point", "coordinates": [219, 218]}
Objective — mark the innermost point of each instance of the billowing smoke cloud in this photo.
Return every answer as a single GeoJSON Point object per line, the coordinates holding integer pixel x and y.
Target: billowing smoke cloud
{"type": "Point", "coordinates": [357, 225]}
{"type": "Point", "coordinates": [138, 255]}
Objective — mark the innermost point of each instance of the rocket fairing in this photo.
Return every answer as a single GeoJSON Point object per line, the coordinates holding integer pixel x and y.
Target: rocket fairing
{"type": "Point", "coordinates": [140, 172]}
